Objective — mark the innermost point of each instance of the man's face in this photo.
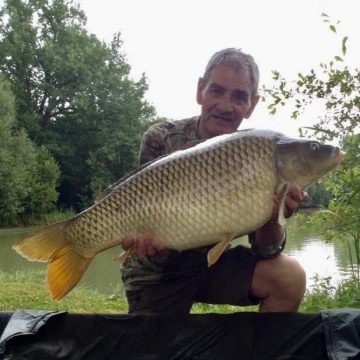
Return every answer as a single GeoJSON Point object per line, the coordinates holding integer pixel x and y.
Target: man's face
{"type": "Point", "coordinates": [226, 99]}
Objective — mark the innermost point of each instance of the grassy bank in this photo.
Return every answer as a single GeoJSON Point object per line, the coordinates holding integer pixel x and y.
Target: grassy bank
{"type": "Point", "coordinates": [26, 290]}
{"type": "Point", "coordinates": [35, 219]}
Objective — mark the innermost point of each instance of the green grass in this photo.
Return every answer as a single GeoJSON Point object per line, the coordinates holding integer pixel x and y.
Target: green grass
{"type": "Point", "coordinates": [27, 290]}
{"type": "Point", "coordinates": [221, 309]}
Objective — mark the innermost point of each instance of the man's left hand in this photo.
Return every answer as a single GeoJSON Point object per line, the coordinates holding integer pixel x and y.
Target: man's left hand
{"type": "Point", "coordinates": [293, 199]}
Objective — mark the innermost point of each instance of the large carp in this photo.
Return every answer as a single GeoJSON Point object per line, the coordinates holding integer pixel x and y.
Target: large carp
{"type": "Point", "coordinates": [206, 194]}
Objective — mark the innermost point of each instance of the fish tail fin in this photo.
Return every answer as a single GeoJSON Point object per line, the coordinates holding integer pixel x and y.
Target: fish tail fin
{"type": "Point", "coordinates": [45, 243]}
{"type": "Point", "coordinates": [65, 271]}
{"type": "Point", "coordinates": [52, 244]}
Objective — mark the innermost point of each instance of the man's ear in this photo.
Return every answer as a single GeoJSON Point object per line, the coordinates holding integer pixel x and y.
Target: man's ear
{"type": "Point", "coordinates": [254, 102]}
{"type": "Point", "coordinates": [199, 91]}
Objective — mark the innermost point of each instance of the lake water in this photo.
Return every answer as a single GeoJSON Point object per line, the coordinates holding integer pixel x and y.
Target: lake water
{"type": "Point", "coordinates": [316, 256]}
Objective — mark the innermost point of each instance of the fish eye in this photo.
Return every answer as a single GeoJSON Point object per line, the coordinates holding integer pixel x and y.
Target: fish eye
{"type": "Point", "coordinates": [315, 146]}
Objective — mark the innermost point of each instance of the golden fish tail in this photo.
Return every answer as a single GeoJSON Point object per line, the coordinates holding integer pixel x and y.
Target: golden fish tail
{"type": "Point", "coordinates": [66, 266]}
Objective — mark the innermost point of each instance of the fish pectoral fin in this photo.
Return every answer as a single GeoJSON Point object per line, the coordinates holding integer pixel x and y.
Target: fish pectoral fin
{"type": "Point", "coordinates": [215, 252]}
{"type": "Point", "coordinates": [125, 254]}
{"type": "Point", "coordinates": [281, 192]}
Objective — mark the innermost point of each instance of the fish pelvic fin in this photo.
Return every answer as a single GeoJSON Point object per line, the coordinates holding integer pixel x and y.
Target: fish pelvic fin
{"type": "Point", "coordinates": [215, 252]}
{"type": "Point", "coordinates": [52, 244]}
{"type": "Point", "coordinates": [65, 271]}
{"type": "Point", "coordinates": [125, 254]}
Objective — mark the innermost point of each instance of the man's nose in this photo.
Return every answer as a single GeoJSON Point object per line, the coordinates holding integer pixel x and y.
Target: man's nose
{"type": "Point", "coordinates": [224, 104]}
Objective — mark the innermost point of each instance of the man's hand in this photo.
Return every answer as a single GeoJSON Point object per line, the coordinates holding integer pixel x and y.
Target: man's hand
{"type": "Point", "coordinates": [144, 244]}
{"type": "Point", "coordinates": [271, 233]}
{"type": "Point", "coordinates": [293, 199]}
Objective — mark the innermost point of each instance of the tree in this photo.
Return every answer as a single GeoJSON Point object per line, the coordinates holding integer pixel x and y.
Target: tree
{"type": "Point", "coordinates": [73, 93]}
{"type": "Point", "coordinates": [28, 175]}
{"type": "Point", "coordinates": [337, 86]}
{"type": "Point", "coordinates": [319, 196]}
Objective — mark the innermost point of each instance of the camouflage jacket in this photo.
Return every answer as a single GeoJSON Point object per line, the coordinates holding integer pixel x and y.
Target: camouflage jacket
{"type": "Point", "coordinates": [165, 138]}
{"type": "Point", "coordinates": [162, 139]}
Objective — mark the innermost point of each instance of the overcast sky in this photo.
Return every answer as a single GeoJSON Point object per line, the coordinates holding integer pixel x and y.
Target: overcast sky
{"type": "Point", "coordinates": [171, 41]}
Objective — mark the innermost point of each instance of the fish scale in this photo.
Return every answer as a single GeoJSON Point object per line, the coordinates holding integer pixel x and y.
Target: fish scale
{"type": "Point", "coordinates": [200, 196]}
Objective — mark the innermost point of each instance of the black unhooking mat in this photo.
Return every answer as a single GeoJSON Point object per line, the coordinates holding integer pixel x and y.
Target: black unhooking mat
{"type": "Point", "coordinates": [332, 334]}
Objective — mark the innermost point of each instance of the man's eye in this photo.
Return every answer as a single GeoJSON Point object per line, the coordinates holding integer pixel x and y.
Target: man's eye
{"type": "Point", "coordinates": [216, 91]}
{"type": "Point", "coordinates": [240, 97]}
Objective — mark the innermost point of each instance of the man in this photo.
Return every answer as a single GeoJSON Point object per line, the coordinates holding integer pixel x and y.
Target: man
{"type": "Point", "coordinates": [160, 280]}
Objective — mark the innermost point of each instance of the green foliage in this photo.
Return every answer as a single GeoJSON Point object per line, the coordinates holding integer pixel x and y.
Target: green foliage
{"type": "Point", "coordinates": [73, 93]}
{"type": "Point", "coordinates": [36, 218]}
{"type": "Point", "coordinates": [320, 297]}
{"type": "Point", "coordinates": [43, 180]}
{"type": "Point", "coordinates": [324, 295]}
{"type": "Point", "coordinates": [319, 196]}
{"type": "Point", "coordinates": [28, 175]}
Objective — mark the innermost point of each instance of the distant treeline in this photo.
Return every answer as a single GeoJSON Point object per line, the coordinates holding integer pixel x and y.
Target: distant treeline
{"type": "Point", "coordinates": [71, 118]}
{"type": "Point", "coordinates": [318, 196]}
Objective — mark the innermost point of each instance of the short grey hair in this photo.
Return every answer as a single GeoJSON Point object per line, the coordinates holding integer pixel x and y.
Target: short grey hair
{"type": "Point", "coordinates": [237, 60]}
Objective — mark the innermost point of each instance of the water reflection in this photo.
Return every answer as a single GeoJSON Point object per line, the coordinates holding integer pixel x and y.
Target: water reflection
{"type": "Point", "coordinates": [318, 257]}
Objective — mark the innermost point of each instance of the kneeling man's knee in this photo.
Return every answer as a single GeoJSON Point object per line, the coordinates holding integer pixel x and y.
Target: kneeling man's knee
{"type": "Point", "coordinates": [280, 283]}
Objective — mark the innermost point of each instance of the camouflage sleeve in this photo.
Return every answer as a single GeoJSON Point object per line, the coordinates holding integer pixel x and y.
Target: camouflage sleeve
{"type": "Point", "coordinates": [152, 146]}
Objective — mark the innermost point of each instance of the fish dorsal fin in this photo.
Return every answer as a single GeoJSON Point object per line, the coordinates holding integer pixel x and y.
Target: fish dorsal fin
{"type": "Point", "coordinates": [215, 252]}
{"type": "Point", "coordinates": [281, 192]}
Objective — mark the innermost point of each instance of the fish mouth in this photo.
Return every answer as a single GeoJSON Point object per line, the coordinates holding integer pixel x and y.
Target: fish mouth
{"type": "Point", "coordinates": [340, 156]}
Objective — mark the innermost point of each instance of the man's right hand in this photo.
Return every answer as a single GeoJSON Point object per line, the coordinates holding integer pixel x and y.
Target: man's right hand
{"type": "Point", "coordinates": [144, 244]}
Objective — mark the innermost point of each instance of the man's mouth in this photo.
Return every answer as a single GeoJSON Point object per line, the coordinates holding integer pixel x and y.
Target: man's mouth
{"type": "Point", "coordinates": [221, 118]}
